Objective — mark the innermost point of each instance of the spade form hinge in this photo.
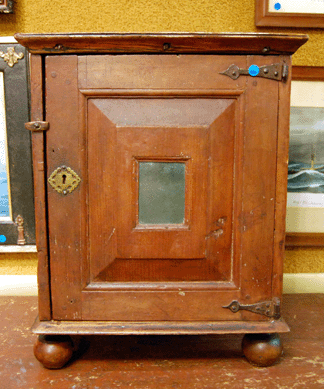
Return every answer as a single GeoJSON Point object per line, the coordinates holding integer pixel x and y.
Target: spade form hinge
{"type": "Point", "coordinates": [267, 308]}
{"type": "Point", "coordinates": [276, 71]}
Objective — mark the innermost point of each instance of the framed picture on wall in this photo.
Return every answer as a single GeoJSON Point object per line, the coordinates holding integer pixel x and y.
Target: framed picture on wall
{"type": "Point", "coordinates": [289, 13]}
{"type": "Point", "coordinates": [305, 200]}
{"type": "Point", "coordinates": [6, 6]}
{"type": "Point", "coordinates": [17, 221]}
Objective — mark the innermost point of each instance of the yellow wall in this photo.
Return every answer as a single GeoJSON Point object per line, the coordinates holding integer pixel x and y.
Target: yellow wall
{"type": "Point", "coordinates": [18, 264]}
{"type": "Point", "coordinates": [39, 16]}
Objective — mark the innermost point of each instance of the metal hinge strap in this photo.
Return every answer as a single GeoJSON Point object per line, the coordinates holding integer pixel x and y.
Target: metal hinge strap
{"type": "Point", "coordinates": [277, 71]}
{"type": "Point", "coordinates": [266, 308]}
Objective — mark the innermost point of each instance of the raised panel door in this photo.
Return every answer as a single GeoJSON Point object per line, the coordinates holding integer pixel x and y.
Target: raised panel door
{"type": "Point", "coordinates": [156, 227]}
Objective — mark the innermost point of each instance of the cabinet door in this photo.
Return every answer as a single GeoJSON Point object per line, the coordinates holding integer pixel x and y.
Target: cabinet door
{"type": "Point", "coordinates": [173, 218]}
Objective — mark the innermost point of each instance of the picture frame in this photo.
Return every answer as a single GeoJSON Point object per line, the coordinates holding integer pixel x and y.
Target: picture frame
{"type": "Point", "coordinates": [305, 210]}
{"type": "Point", "coordinates": [289, 13]}
{"type": "Point", "coordinates": [17, 220]}
{"type": "Point", "coordinates": [6, 6]}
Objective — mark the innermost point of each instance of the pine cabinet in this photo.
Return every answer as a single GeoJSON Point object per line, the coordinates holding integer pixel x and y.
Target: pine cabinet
{"type": "Point", "coordinates": [160, 167]}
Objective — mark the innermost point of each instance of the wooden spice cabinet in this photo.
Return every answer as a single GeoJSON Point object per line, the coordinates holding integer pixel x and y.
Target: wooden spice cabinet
{"type": "Point", "coordinates": [104, 108]}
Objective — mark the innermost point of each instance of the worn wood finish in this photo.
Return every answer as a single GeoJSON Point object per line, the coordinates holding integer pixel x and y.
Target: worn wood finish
{"type": "Point", "coordinates": [304, 239]}
{"type": "Point", "coordinates": [157, 328]}
{"type": "Point", "coordinates": [262, 349]}
{"type": "Point", "coordinates": [110, 73]}
{"type": "Point", "coordinates": [64, 145]}
{"type": "Point", "coordinates": [39, 167]}
{"type": "Point", "coordinates": [115, 119]}
{"type": "Point", "coordinates": [103, 219]}
{"type": "Point", "coordinates": [233, 43]}
{"type": "Point", "coordinates": [308, 73]}
{"type": "Point", "coordinates": [281, 185]}
{"type": "Point", "coordinates": [259, 187]}
{"type": "Point", "coordinates": [166, 361]}
{"type": "Point", "coordinates": [109, 113]}
{"type": "Point", "coordinates": [53, 352]}
{"type": "Point", "coordinates": [173, 305]}
{"type": "Point", "coordinates": [264, 18]}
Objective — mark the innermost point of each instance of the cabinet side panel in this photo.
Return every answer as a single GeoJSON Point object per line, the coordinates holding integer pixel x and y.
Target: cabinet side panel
{"type": "Point", "coordinates": [259, 185]}
{"type": "Point", "coordinates": [65, 145]}
{"type": "Point", "coordinates": [282, 176]}
{"type": "Point", "coordinates": [36, 85]}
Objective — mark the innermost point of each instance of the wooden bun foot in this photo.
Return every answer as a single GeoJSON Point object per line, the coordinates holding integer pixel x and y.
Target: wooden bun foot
{"type": "Point", "coordinates": [262, 349]}
{"type": "Point", "coordinates": [53, 351]}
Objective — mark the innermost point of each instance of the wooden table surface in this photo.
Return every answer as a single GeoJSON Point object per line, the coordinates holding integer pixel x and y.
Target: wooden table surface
{"type": "Point", "coordinates": [163, 362]}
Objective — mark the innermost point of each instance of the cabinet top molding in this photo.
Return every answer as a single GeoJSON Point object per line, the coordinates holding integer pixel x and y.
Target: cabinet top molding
{"type": "Point", "coordinates": [209, 43]}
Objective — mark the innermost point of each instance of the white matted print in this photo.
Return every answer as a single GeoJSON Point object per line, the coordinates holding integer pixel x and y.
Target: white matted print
{"type": "Point", "coordinates": [296, 6]}
{"type": "Point", "coordinates": [305, 212]}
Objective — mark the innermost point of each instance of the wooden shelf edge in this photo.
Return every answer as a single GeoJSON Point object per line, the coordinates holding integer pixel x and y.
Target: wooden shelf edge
{"type": "Point", "coordinates": [304, 239]}
{"type": "Point", "coordinates": [167, 43]}
{"type": "Point", "coordinates": [54, 327]}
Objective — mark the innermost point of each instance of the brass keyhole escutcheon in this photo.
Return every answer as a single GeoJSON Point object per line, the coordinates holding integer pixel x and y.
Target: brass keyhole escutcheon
{"type": "Point", "coordinates": [64, 180]}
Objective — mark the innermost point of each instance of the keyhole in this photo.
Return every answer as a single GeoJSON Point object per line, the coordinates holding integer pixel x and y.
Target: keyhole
{"type": "Point", "coordinates": [64, 178]}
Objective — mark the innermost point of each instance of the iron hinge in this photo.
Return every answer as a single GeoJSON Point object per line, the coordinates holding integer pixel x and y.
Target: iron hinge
{"type": "Point", "coordinates": [276, 71]}
{"type": "Point", "coordinates": [267, 308]}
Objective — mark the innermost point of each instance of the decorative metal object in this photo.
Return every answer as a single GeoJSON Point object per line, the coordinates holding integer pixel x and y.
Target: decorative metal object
{"type": "Point", "coordinates": [6, 6]}
{"type": "Point", "coordinates": [20, 223]}
{"type": "Point", "coordinates": [275, 71]}
{"type": "Point", "coordinates": [64, 180]}
{"type": "Point", "coordinates": [266, 308]}
{"type": "Point", "coordinates": [11, 57]}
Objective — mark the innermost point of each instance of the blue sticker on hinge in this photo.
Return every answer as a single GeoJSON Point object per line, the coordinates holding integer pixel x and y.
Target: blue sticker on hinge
{"type": "Point", "coordinates": [2, 238]}
{"type": "Point", "coordinates": [254, 70]}
{"type": "Point", "coordinates": [277, 6]}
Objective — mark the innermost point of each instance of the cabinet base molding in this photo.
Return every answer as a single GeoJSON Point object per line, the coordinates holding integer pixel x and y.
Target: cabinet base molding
{"type": "Point", "coordinates": [54, 327]}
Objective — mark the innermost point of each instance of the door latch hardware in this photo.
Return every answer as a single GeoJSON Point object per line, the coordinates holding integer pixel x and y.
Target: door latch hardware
{"type": "Point", "coordinates": [275, 71]}
{"type": "Point", "coordinates": [266, 308]}
{"type": "Point", "coordinates": [64, 180]}
{"type": "Point", "coordinates": [37, 126]}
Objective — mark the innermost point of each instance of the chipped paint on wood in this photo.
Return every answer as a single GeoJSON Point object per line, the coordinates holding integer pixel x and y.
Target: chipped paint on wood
{"type": "Point", "coordinates": [147, 362]}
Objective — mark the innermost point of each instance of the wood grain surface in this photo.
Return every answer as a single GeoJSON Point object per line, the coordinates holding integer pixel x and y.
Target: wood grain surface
{"type": "Point", "coordinates": [182, 362]}
{"type": "Point", "coordinates": [231, 43]}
